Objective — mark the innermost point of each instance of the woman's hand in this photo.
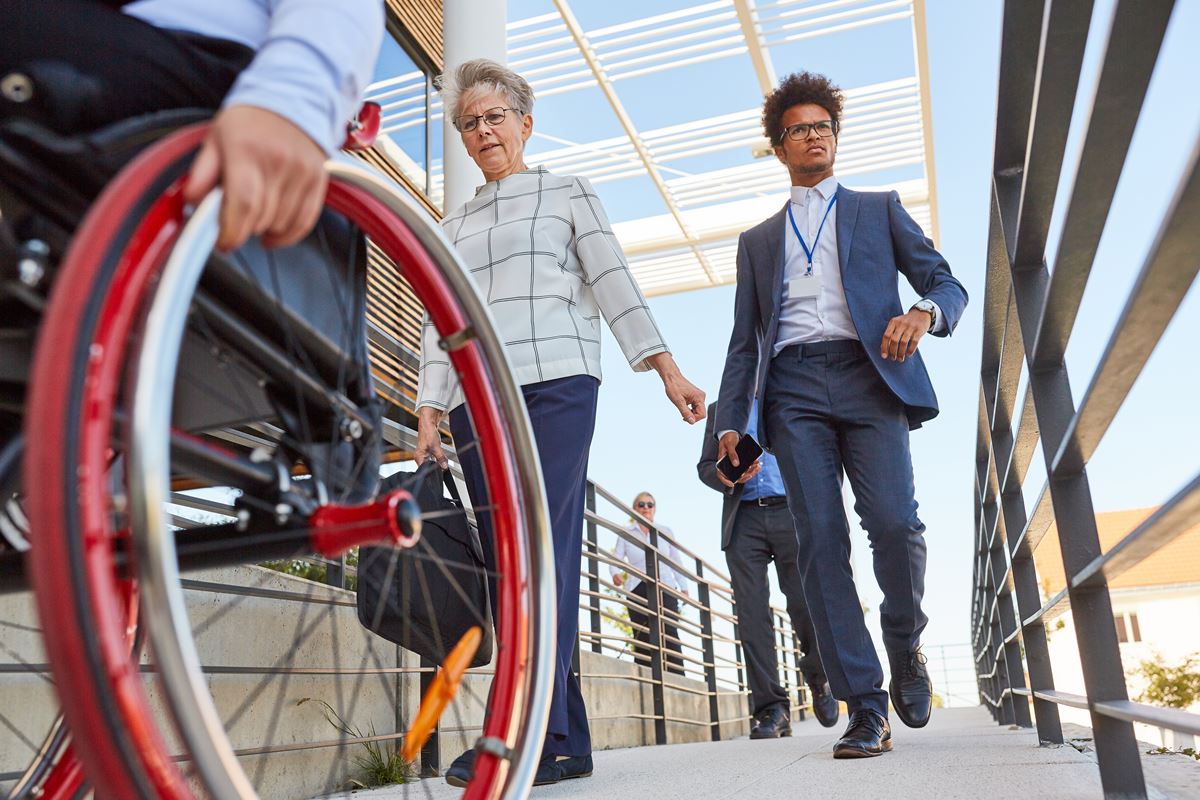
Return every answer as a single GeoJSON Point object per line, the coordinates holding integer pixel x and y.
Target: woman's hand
{"type": "Point", "coordinates": [680, 391]}
{"type": "Point", "coordinates": [429, 441]}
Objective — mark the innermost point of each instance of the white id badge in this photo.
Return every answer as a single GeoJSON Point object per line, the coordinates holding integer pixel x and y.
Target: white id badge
{"type": "Point", "coordinates": [804, 286]}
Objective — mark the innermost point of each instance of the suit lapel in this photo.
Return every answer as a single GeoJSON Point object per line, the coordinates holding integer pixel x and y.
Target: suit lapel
{"type": "Point", "coordinates": [847, 216]}
{"type": "Point", "coordinates": [773, 231]}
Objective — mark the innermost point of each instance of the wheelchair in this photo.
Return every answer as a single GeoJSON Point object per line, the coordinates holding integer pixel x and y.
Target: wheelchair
{"type": "Point", "coordinates": [167, 411]}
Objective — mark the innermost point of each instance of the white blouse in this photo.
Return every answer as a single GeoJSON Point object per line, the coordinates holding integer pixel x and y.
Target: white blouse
{"type": "Point", "coordinates": [636, 558]}
{"type": "Point", "coordinates": [544, 258]}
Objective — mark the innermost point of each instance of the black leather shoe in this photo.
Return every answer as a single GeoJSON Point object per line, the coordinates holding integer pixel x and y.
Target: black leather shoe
{"type": "Point", "coordinates": [461, 770]}
{"type": "Point", "coordinates": [771, 723]}
{"type": "Point", "coordinates": [824, 704]}
{"type": "Point", "coordinates": [910, 687]}
{"type": "Point", "coordinates": [867, 735]}
{"type": "Point", "coordinates": [553, 769]}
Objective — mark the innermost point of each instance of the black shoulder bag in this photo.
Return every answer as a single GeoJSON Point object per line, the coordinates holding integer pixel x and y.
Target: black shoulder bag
{"type": "Point", "coordinates": [424, 599]}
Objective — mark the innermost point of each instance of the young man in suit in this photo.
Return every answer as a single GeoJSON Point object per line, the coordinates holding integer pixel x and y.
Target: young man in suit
{"type": "Point", "coordinates": [821, 339]}
{"type": "Point", "coordinates": [756, 529]}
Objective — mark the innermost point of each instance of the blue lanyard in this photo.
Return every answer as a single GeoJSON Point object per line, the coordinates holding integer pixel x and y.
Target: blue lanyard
{"type": "Point", "coordinates": [807, 252]}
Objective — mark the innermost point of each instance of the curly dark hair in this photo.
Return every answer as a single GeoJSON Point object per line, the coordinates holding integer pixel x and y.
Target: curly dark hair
{"type": "Point", "coordinates": [797, 89]}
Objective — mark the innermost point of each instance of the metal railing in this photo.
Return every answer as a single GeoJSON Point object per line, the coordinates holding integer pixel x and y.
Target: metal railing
{"type": "Point", "coordinates": [1029, 314]}
{"type": "Point", "coordinates": [705, 649]}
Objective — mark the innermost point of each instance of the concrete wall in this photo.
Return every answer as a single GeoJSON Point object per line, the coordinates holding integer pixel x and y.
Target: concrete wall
{"type": "Point", "coordinates": [260, 634]}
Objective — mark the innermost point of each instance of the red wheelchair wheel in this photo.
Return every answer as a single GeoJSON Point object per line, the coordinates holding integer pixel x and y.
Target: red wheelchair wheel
{"type": "Point", "coordinates": [108, 516]}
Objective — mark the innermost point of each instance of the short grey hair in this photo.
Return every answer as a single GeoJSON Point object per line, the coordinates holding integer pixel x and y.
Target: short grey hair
{"type": "Point", "coordinates": [482, 75]}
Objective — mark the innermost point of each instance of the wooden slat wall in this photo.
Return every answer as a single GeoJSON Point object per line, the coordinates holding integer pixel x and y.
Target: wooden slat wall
{"type": "Point", "coordinates": [392, 307]}
{"type": "Point", "coordinates": [421, 20]}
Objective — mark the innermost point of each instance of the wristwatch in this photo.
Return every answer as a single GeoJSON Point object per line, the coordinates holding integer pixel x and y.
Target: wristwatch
{"type": "Point", "coordinates": [929, 308]}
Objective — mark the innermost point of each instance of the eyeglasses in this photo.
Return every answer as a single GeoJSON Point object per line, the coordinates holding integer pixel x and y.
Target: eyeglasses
{"type": "Point", "coordinates": [493, 117]}
{"type": "Point", "coordinates": [799, 132]}
{"type": "Point", "coordinates": [645, 504]}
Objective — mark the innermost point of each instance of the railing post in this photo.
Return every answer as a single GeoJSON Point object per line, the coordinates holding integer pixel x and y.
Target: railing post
{"type": "Point", "coordinates": [656, 638]}
{"type": "Point", "coordinates": [710, 656]}
{"type": "Point", "coordinates": [1017, 708]}
{"type": "Point", "coordinates": [593, 569]}
{"type": "Point", "coordinates": [431, 751]}
{"type": "Point", "coordinates": [335, 572]}
{"type": "Point", "coordinates": [737, 657]}
{"type": "Point", "coordinates": [801, 685]}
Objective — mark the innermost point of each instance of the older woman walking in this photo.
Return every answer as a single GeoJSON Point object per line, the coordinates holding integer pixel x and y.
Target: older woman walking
{"type": "Point", "coordinates": [545, 260]}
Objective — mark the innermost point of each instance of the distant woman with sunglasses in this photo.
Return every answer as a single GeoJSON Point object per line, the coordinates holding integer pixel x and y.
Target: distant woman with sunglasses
{"type": "Point", "coordinates": [668, 578]}
{"type": "Point", "coordinates": [544, 258]}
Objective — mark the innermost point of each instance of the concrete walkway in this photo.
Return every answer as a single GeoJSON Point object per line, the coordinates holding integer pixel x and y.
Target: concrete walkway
{"type": "Point", "coordinates": [961, 754]}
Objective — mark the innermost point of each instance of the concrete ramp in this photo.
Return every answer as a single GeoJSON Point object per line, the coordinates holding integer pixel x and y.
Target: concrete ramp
{"type": "Point", "coordinates": [961, 754]}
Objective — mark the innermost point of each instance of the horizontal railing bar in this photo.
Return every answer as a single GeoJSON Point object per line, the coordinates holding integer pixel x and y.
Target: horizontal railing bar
{"type": "Point", "coordinates": [1063, 41]}
{"type": "Point", "coordinates": [1062, 698]}
{"type": "Point", "coordinates": [1047, 612]}
{"type": "Point", "coordinates": [1136, 35]}
{"type": "Point", "coordinates": [1172, 519]}
{"type": "Point", "coordinates": [1023, 692]}
{"type": "Point", "coordinates": [1168, 273]}
{"type": "Point", "coordinates": [273, 594]}
{"type": "Point", "coordinates": [1170, 718]}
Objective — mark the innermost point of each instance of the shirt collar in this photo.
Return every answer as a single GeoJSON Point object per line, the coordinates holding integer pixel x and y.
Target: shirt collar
{"type": "Point", "coordinates": [826, 189]}
{"type": "Point", "coordinates": [540, 169]}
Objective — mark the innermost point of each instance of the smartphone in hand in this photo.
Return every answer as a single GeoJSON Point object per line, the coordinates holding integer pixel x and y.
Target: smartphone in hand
{"type": "Point", "coordinates": [748, 452]}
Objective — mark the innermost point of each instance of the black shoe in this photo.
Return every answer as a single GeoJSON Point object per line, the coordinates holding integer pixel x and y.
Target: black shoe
{"type": "Point", "coordinates": [461, 770]}
{"type": "Point", "coordinates": [867, 735]}
{"type": "Point", "coordinates": [552, 769]}
{"type": "Point", "coordinates": [824, 704]}
{"type": "Point", "coordinates": [910, 687]}
{"type": "Point", "coordinates": [771, 723]}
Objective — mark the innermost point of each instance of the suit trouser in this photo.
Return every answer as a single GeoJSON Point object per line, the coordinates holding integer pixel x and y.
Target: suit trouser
{"type": "Point", "coordinates": [762, 534]}
{"type": "Point", "coordinates": [673, 651]}
{"type": "Point", "coordinates": [563, 415]}
{"type": "Point", "coordinates": [828, 410]}
{"type": "Point", "coordinates": [92, 65]}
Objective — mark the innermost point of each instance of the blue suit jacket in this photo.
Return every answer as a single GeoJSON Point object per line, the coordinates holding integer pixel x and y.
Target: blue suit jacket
{"type": "Point", "coordinates": [876, 239]}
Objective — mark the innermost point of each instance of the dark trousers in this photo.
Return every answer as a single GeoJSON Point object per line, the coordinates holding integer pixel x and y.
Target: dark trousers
{"type": "Point", "coordinates": [563, 415]}
{"type": "Point", "coordinates": [673, 651]}
{"type": "Point", "coordinates": [828, 410]}
{"type": "Point", "coordinates": [762, 534]}
{"type": "Point", "coordinates": [92, 65]}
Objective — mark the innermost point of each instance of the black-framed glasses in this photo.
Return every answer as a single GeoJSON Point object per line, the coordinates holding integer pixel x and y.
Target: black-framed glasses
{"type": "Point", "coordinates": [799, 132]}
{"type": "Point", "coordinates": [468, 122]}
{"type": "Point", "coordinates": [645, 504]}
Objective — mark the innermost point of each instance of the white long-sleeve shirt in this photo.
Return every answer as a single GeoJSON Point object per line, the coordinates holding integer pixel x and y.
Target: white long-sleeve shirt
{"type": "Point", "coordinates": [826, 316]}
{"type": "Point", "coordinates": [636, 558]}
{"type": "Point", "coordinates": [314, 57]}
{"type": "Point", "coordinates": [543, 256]}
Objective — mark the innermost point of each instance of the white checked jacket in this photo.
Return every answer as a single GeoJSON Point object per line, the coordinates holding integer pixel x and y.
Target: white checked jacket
{"type": "Point", "coordinates": [543, 256]}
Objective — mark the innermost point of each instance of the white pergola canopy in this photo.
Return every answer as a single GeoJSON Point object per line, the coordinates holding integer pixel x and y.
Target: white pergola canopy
{"type": "Point", "coordinates": [711, 175]}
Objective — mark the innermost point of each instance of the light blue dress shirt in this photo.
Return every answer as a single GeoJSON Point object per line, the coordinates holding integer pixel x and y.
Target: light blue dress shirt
{"type": "Point", "coordinates": [768, 482]}
{"type": "Point", "coordinates": [314, 57]}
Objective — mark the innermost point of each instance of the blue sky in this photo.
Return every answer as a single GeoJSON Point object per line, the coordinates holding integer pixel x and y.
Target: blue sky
{"type": "Point", "coordinates": [1151, 451]}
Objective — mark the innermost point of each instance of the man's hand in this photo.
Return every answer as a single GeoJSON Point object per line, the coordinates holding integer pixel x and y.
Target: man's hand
{"type": "Point", "coordinates": [272, 173]}
{"type": "Point", "coordinates": [727, 446]}
{"type": "Point", "coordinates": [429, 441]}
{"type": "Point", "coordinates": [903, 333]}
{"type": "Point", "coordinates": [619, 580]}
{"type": "Point", "coordinates": [680, 391]}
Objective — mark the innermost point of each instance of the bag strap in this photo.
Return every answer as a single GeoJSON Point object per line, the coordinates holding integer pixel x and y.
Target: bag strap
{"type": "Point", "coordinates": [425, 472]}
{"type": "Point", "coordinates": [448, 481]}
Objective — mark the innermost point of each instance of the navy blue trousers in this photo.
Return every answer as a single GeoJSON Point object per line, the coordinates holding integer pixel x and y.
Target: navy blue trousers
{"type": "Point", "coordinates": [563, 415]}
{"type": "Point", "coordinates": [827, 410]}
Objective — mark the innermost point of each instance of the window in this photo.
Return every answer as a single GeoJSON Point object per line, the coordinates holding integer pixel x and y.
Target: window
{"type": "Point", "coordinates": [1128, 629]}
{"type": "Point", "coordinates": [411, 134]}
